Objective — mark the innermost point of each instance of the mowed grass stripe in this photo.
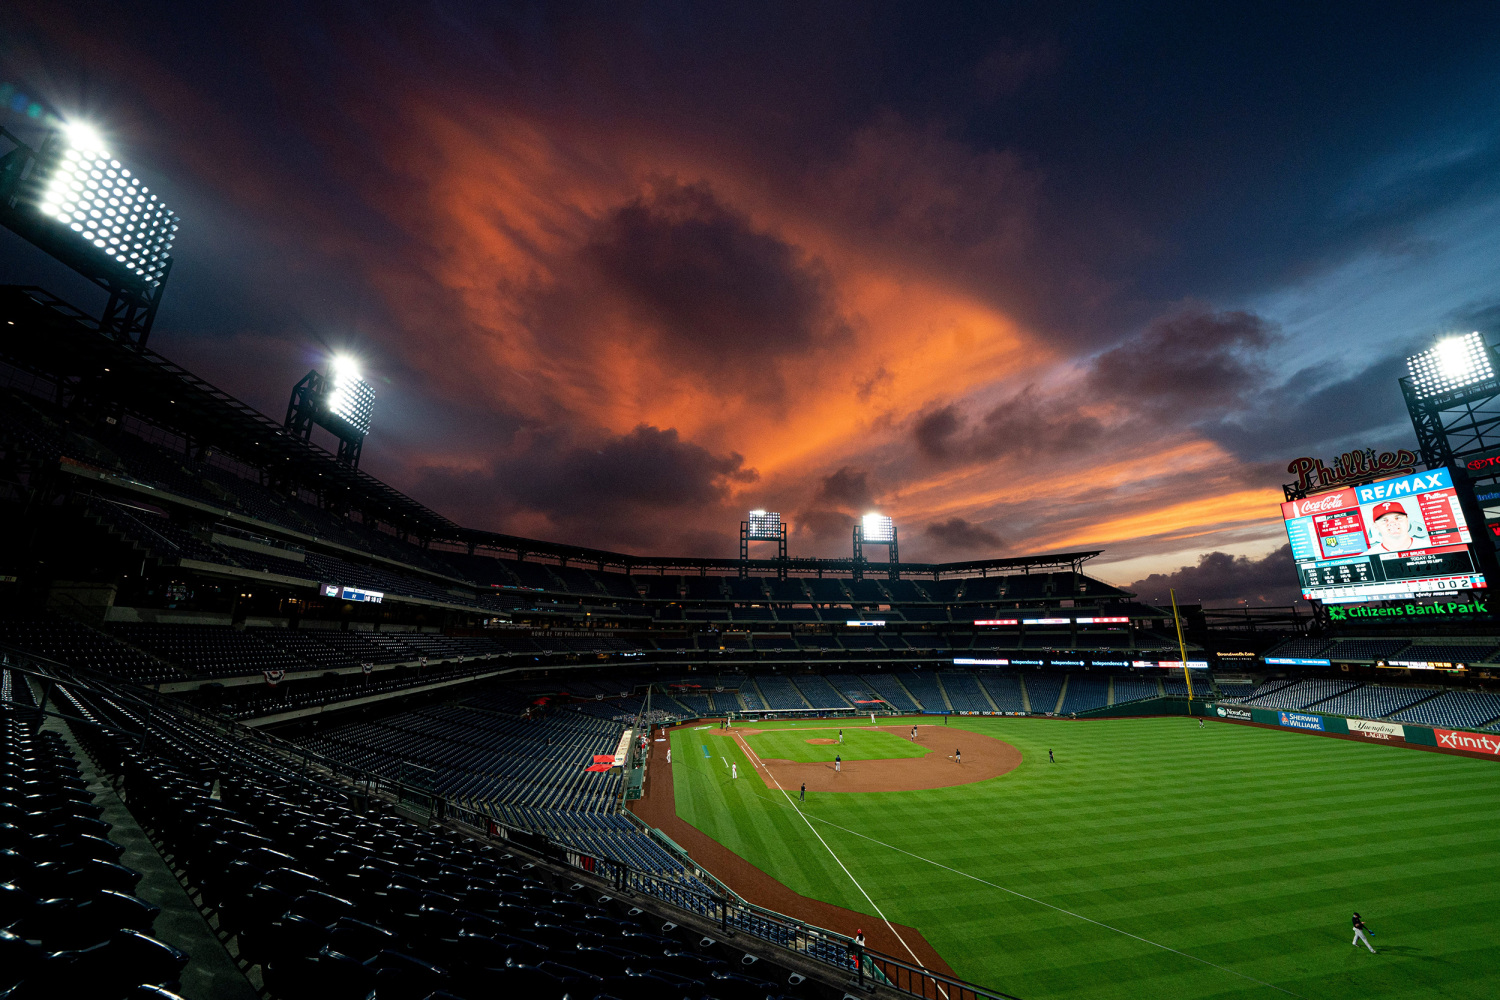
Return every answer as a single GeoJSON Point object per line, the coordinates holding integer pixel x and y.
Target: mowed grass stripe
{"type": "Point", "coordinates": [1245, 846]}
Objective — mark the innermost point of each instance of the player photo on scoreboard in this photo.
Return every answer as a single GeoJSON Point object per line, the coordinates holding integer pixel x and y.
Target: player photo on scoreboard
{"type": "Point", "coordinates": [1395, 526]}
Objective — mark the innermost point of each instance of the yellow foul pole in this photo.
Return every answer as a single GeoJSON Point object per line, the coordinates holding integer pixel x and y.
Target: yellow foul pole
{"type": "Point", "coordinates": [1182, 649]}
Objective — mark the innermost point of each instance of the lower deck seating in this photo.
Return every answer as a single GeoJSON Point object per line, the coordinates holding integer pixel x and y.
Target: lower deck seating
{"type": "Point", "coordinates": [73, 926]}
{"type": "Point", "coordinates": [334, 897]}
{"type": "Point", "coordinates": [1043, 690]}
{"type": "Point", "coordinates": [891, 689]}
{"type": "Point", "coordinates": [1085, 692]}
{"type": "Point", "coordinates": [1004, 690]}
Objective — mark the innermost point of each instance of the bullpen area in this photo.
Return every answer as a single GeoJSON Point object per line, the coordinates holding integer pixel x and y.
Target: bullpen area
{"type": "Point", "coordinates": [1152, 859]}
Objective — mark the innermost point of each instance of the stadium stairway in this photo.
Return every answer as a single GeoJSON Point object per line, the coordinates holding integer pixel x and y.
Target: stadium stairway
{"type": "Point", "coordinates": [210, 974]}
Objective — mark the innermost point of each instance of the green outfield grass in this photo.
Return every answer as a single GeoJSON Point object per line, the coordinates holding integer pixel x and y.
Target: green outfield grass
{"type": "Point", "coordinates": [859, 744]}
{"type": "Point", "coordinates": [1243, 847]}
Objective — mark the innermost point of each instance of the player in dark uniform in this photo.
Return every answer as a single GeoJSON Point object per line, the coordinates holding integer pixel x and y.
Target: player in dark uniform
{"type": "Point", "coordinates": [1359, 934]}
{"type": "Point", "coordinates": [802, 795]}
{"type": "Point", "coordinates": [1050, 757]}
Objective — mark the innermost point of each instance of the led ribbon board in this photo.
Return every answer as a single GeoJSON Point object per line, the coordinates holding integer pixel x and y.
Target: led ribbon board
{"type": "Point", "coordinates": [1398, 538]}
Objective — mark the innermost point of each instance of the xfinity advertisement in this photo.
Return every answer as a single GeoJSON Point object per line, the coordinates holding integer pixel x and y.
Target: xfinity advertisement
{"type": "Point", "coordinates": [1400, 538]}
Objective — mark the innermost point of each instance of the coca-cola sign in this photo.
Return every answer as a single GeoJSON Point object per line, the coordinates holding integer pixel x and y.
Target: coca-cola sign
{"type": "Point", "coordinates": [1351, 467]}
{"type": "Point", "coordinates": [1320, 504]}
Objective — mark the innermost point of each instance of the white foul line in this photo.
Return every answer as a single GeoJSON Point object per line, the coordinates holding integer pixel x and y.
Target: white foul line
{"type": "Point", "coordinates": [1033, 899]}
{"type": "Point", "coordinates": [757, 762]}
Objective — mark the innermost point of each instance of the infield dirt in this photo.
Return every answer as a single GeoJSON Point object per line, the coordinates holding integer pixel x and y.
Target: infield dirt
{"type": "Point", "coordinates": [983, 757]}
{"type": "Point", "coordinates": [659, 809]}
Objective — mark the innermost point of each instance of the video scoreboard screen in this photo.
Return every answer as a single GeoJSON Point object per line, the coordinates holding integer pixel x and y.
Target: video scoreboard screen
{"type": "Point", "coordinates": [1398, 538]}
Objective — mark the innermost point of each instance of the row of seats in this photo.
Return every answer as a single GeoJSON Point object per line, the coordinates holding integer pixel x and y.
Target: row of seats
{"type": "Point", "coordinates": [70, 924]}
{"type": "Point", "coordinates": [334, 898]}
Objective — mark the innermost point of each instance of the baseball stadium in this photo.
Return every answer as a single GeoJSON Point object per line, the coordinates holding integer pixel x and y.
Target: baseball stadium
{"type": "Point", "coordinates": [274, 728]}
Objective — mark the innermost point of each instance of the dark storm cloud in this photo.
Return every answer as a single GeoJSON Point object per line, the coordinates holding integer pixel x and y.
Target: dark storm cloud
{"type": "Point", "coordinates": [623, 486]}
{"type": "Point", "coordinates": [1186, 362]}
{"type": "Point", "coordinates": [842, 496]}
{"type": "Point", "coordinates": [846, 487]}
{"type": "Point", "coordinates": [1220, 578]}
{"type": "Point", "coordinates": [959, 535]}
{"type": "Point", "coordinates": [1023, 426]}
{"type": "Point", "coordinates": [1309, 415]}
{"type": "Point", "coordinates": [717, 292]}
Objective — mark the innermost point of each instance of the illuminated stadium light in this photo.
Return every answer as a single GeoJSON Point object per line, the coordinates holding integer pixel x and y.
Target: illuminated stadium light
{"type": "Point", "coordinates": [764, 526]}
{"type": "Point", "coordinates": [83, 188]}
{"type": "Point", "coordinates": [349, 397]}
{"type": "Point", "coordinates": [1452, 364]}
{"type": "Point", "coordinates": [877, 528]}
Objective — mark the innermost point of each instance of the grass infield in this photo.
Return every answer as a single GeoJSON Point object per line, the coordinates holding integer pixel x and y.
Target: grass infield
{"type": "Point", "coordinates": [1242, 850]}
{"type": "Point", "coordinates": [859, 744]}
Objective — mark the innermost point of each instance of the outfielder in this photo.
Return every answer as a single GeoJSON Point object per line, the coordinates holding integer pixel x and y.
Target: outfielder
{"type": "Point", "coordinates": [1359, 934]}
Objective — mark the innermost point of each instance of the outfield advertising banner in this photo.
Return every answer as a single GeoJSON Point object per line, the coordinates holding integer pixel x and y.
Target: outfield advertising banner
{"type": "Point", "coordinates": [1450, 739]}
{"type": "Point", "coordinates": [1445, 609]}
{"type": "Point", "coordinates": [1237, 714]}
{"type": "Point", "coordinates": [1299, 720]}
{"type": "Point", "coordinates": [1396, 539]}
{"type": "Point", "coordinates": [1372, 730]}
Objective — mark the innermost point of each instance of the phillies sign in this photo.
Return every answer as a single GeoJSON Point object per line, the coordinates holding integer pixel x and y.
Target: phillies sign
{"type": "Point", "coordinates": [1351, 467]}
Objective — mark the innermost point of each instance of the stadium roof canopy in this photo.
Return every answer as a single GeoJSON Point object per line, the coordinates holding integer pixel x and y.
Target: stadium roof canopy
{"type": "Point", "coordinates": [51, 339]}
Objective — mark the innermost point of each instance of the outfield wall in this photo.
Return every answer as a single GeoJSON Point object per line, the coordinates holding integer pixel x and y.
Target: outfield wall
{"type": "Point", "coordinates": [1455, 741]}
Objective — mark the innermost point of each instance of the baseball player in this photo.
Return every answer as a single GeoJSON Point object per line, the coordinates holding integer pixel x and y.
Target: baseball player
{"type": "Point", "coordinates": [841, 736]}
{"type": "Point", "coordinates": [1359, 934]}
{"type": "Point", "coordinates": [734, 770]}
{"type": "Point", "coordinates": [1393, 525]}
{"type": "Point", "coordinates": [669, 755]}
{"type": "Point", "coordinates": [1050, 757]}
{"type": "Point", "coordinates": [802, 795]}
{"type": "Point", "coordinates": [958, 755]}
{"type": "Point", "coordinates": [914, 734]}
{"type": "Point", "coordinates": [838, 762]}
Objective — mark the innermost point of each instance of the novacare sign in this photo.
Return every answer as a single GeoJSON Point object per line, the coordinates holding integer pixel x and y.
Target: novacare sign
{"type": "Point", "coordinates": [1449, 739]}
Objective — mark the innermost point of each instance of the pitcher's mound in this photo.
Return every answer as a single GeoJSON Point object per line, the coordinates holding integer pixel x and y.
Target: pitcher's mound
{"type": "Point", "coordinates": [821, 742]}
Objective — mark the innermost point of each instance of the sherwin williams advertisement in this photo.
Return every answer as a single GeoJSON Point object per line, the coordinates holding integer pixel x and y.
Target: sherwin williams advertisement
{"type": "Point", "coordinates": [1297, 720]}
{"type": "Point", "coordinates": [1396, 539]}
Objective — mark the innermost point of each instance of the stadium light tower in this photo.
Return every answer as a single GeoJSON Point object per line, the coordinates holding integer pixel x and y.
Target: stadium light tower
{"type": "Point", "coordinates": [72, 199]}
{"type": "Point", "coordinates": [876, 529]}
{"type": "Point", "coordinates": [1451, 394]}
{"type": "Point", "coordinates": [763, 526]}
{"type": "Point", "coordinates": [341, 402]}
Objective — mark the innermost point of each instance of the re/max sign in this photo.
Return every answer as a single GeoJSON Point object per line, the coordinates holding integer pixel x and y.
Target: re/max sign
{"type": "Point", "coordinates": [1339, 614]}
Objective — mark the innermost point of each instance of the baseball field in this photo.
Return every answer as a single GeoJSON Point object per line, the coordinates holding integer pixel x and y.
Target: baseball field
{"type": "Point", "coordinates": [1152, 859]}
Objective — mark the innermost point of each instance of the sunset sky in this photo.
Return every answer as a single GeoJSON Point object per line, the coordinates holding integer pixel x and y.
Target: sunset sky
{"type": "Point", "coordinates": [1026, 277]}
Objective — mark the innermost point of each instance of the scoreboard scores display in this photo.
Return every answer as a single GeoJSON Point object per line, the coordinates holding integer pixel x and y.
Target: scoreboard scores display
{"type": "Point", "coordinates": [1403, 537]}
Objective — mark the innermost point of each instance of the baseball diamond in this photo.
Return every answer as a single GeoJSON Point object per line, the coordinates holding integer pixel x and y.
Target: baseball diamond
{"type": "Point", "coordinates": [1190, 864]}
